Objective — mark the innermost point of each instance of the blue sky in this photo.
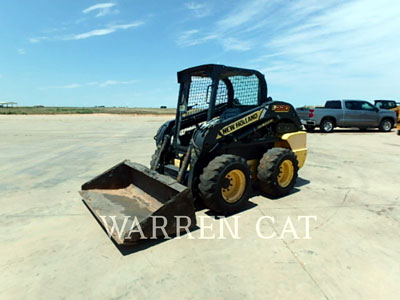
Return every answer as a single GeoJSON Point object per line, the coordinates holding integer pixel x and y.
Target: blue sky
{"type": "Point", "coordinates": [127, 52]}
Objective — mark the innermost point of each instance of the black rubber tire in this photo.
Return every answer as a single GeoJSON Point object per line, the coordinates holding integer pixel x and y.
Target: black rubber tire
{"type": "Point", "coordinates": [398, 132]}
{"type": "Point", "coordinates": [382, 126]}
{"type": "Point", "coordinates": [269, 168]}
{"type": "Point", "coordinates": [323, 124]}
{"type": "Point", "coordinates": [309, 128]}
{"type": "Point", "coordinates": [211, 181]}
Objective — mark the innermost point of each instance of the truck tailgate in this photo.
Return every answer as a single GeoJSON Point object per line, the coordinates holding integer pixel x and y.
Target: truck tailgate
{"type": "Point", "coordinates": [303, 113]}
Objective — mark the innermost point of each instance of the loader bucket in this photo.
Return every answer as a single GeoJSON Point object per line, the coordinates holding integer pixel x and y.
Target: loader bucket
{"type": "Point", "coordinates": [141, 198]}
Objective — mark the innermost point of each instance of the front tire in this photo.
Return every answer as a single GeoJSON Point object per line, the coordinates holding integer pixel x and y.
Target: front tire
{"type": "Point", "coordinates": [277, 171]}
{"type": "Point", "coordinates": [386, 125]}
{"type": "Point", "coordinates": [225, 184]}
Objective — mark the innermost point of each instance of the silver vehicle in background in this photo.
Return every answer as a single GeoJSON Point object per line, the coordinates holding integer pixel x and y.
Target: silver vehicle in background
{"type": "Point", "coordinates": [347, 113]}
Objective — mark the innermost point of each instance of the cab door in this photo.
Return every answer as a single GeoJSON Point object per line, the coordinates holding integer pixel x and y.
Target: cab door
{"type": "Point", "coordinates": [369, 114]}
{"type": "Point", "coordinates": [352, 114]}
{"type": "Point", "coordinates": [360, 114]}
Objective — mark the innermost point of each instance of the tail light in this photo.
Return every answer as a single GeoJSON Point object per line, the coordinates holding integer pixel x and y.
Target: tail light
{"type": "Point", "coordinates": [311, 113]}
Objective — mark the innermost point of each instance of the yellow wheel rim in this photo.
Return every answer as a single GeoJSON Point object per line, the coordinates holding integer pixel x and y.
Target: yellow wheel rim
{"type": "Point", "coordinates": [233, 186]}
{"type": "Point", "coordinates": [286, 173]}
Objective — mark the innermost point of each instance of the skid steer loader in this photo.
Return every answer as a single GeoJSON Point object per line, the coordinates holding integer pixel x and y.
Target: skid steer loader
{"type": "Point", "coordinates": [227, 139]}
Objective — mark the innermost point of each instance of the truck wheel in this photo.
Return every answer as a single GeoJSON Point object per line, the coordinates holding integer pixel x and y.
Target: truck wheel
{"type": "Point", "coordinates": [225, 184]}
{"type": "Point", "coordinates": [386, 125]}
{"type": "Point", "coordinates": [277, 171]}
{"type": "Point", "coordinates": [398, 132]}
{"type": "Point", "coordinates": [327, 125]}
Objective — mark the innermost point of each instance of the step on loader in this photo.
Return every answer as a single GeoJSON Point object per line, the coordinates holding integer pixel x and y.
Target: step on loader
{"type": "Point", "coordinates": [227, 139]}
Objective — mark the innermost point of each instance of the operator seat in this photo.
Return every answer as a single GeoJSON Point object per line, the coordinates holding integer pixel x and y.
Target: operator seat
{"type": "Point", "coordinates": [237, 109]}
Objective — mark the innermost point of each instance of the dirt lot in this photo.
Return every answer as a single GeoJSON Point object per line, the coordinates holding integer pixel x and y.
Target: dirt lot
{"type": "Point", "coordinates": [59, 110]}
{"type": "Point", "coordinates": [52, 248]}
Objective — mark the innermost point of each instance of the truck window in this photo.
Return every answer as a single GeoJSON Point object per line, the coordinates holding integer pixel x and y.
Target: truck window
{"type": "Point", "coordinates": [388, 105]}
{"type": "Point", "coordinates": [333, 104]}
{"type": "Point", "coordinates": [353, 105]}
{"type": "Point", "coordinates": [367, 106]}
{"type": "Point", "coordinates": [385, 104]}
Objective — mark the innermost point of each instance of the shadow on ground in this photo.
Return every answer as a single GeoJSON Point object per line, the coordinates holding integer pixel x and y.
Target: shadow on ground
{"type": "Point", "coordinates": [299, 183]}
{"type": "Point", "coordinates": [351, 130]}
{"type": "Point", "coordinates": [145, 244]}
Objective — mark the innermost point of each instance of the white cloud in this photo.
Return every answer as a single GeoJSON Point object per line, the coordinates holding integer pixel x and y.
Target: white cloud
{"type": "Point", "coordinates": [54, 29]}
{"type": "Point", "coordinates": [91, 33]}
{"type": "Point", "coordinates": [365, 36]}
{"type": "Point", "coordinates": [228, 30]}
{"type": "Point", "coordinates": [235, 44]}
{"type": "Point", "coordinates": [194, 5]}
{"type": "Point", "coordinates": [67, 86]}
{"type": "Point", "coordinates": [38, 39]}
{"type": "Point", "coordinates": [102, 9]}
{"type": "Point", "coordinates": [96, 32]}
{"type": "Point", "coordinates": [348, 50]}
{"type": "Point", "coordinates": [332, 48]}
{"type": "Point", "coordinates": [196, 37]}
{"type": "Point", "coordinates": [110, 82]}
{"type": "Point", "coordinates": [103, 31]}
{"type": "Point", "coordinates": [115, 82]}
{"type": "Point", "coordinates": [21, 51]}
{"type": "Point", "coordinates": [127, 26]}
{"type": "Point", "coordinates": [191, 37]}
{"type": "Point", "coordinates": [244, 13]}
{"type": "Point", "coordinates": [199, 10]}
{"type": "Point", "coordinates": [101, 84]}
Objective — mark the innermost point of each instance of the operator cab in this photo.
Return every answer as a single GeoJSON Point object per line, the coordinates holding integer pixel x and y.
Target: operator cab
{"type": "Point", "coordinates": [215, 92]}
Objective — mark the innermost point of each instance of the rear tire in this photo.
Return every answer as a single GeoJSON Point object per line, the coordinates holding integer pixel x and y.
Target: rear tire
{"type": "Point", "coordinates": [386, 125]}
{"type": "Point", "coordinates": [327, 125]}
{"type": "Point", "coordinates": [277, 171]}
{"type": "Point", "coordinates": [225, 184]}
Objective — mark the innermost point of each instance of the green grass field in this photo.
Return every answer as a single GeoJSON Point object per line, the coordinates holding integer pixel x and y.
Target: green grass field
{"type": "Point", "coordinates": [32, 110]}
